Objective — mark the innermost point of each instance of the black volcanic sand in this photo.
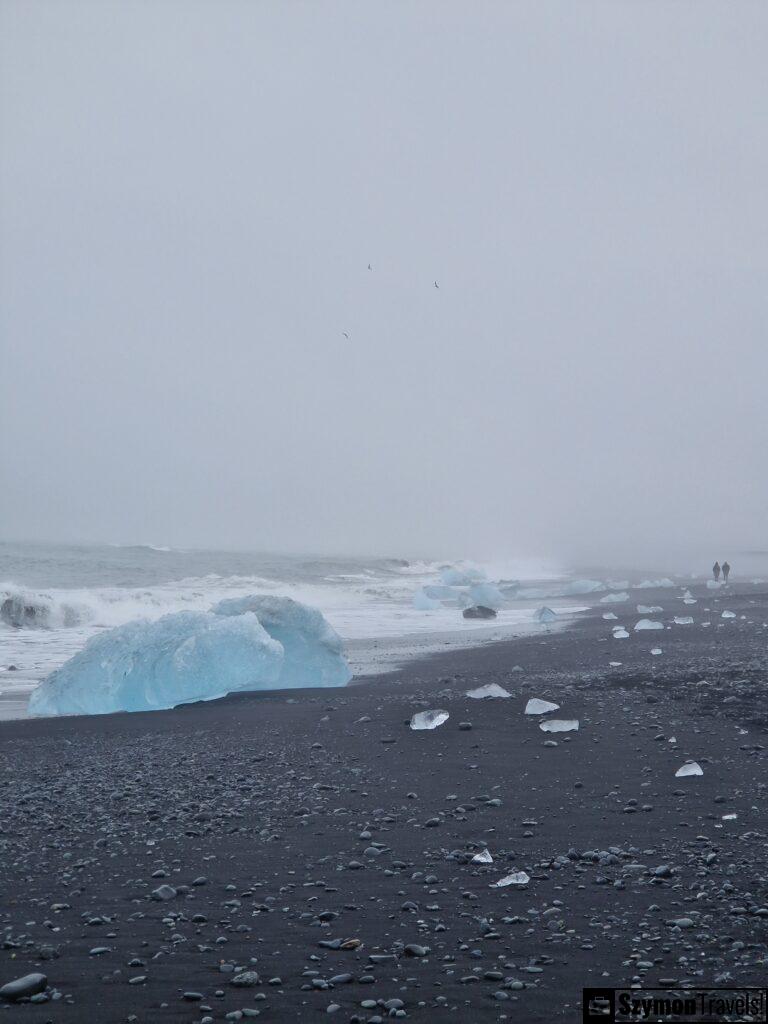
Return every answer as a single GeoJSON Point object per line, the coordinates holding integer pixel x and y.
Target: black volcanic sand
{"type": "Point", "coordinates": [319, 852]}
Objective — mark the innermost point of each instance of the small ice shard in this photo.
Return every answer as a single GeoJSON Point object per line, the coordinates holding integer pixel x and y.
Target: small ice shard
{"type": "Point", "coordinates": [559, 725]}
{"type": "Point", "coordinates": [672, 739]}
{"type": "Point", "coordinates": [714, 584]}
{"type": "Point", "coordinates": [655, 650]}
{"type": "Point", "coordinates": [489, 690]}
{"type": "Point", "coordinates": [684, 620]}
{"type": "Point", "coordinates": [424, 603]}
{"type": "Point", "coordinates": [614, 598]}
{"type": "Point", "coordinates": [648, 624]}
{"type": "Point", "coordinates": [730, 817]}
{"type": "Point", "coordinates": [429, 719]}
{"type": "Point", "coordinates": [687, 596]}
{"type": "Point", "coordinates": [483, 858]}
{"type": "Point", "coordinates": [583, 587]}
{"type": "Point", "coordinates": [728, 615]}
{"type": "Point", "coordinates": [689, 768]}
{"type": "Point", "coordinates": [535, 706]}
{"type": "Point", "coordinates": [614, 664]}
{"type": "Point", "coordinates": [619, 633]}
{"type": "Point", "coordinates": [516, 878]}
{"type": "Point", "coordinates": [610, 615]}
{"type": "Point", "coordinates": [666, 582]}
{"type": "Point", "coordinates": [544, 614]}
{"type": "Point", "coordinates": [689, 600]}
{"type": "Point", "coordinates": [649, 609]}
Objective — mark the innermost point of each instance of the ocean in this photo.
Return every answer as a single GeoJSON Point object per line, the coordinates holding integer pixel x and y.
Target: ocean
{"type": "Point", "coordinates": [77, 591]}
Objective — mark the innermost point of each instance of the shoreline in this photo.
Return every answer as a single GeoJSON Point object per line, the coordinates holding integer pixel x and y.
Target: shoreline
{"type": "Point", "coordinates": [289, 821]}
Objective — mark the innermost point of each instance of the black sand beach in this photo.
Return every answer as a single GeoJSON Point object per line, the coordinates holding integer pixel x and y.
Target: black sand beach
{"type": "Point", "coordinates": [316, 852]}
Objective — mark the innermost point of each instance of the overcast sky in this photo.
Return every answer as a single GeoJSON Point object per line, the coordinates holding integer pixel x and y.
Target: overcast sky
{"type": "Point", "coordinates": [192, 192]}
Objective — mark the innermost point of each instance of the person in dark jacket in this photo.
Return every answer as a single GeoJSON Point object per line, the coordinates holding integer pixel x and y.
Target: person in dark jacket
{"type": "Point", "coordinates": [716, 570]}
{"type": "Point", "coordinates": [726, 571]}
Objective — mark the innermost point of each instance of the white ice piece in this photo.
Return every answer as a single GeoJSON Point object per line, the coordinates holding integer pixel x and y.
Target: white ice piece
{"type": "Point", "coordinates": [619, 633]}
{"type": "Point", "coordinates": [728, 615]}
{"type": "Point", "coordinates": [461, 576]}
{"type": "Point", "coordinates": [516, 878]}
{"type": "Point", "coordinates": [656, 650]}
{"type": "Point", "coordinates": [610, 615]}
{"type": "Point", "coordinates": [664, 583]}
{"type": "Point", "coordinates": [648, 624]}
{"type": "Point", "coordinates": [614, 664]}
{"type": "Point", "coordinates": [559, 725]}
{"type": "Point", "coordinates": [535, 706]}
{"type": "Point", "coordinates": [429, 719]}
{"type": "Point", "coordinates": [489, 690]}
{"type": "Point", "coordinates": [684, 620]}
{"type": "Point", "coordinates": [483, 858]}
{"type": "Point", "coordinates": [619, 598]}
{"type": "Point", "coordinates": [544, 614]}
{"type": "Point", "coordinates": [689, 768]}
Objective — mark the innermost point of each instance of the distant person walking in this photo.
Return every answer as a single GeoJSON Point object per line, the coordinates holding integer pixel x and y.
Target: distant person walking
{"type": "Point", "coordinates": [726, 571]}
{"type": "Point", "coordinates": [716, 571]}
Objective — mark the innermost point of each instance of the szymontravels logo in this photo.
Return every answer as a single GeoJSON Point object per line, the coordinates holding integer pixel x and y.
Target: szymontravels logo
{"type": "Point", "coordinates": [659, 1005]}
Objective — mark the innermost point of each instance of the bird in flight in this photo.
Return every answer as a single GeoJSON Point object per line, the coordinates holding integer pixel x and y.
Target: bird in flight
{"type": "Point", "coordinates": [370, 267]}
{"type": "Point", "coordinates": [436, 285]}
{"type": "Point", "coordinates": [345, 335]}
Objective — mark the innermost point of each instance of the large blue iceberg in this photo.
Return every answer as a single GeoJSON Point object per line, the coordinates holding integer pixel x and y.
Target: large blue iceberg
{"type": "Point", "coordinates": [254, 643]}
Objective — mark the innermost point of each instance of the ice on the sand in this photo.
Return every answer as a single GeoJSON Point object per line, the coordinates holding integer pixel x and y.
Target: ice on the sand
{"type": "Point", "coordinates": [664, 583]}
{"type": "Point", "coordinates": [544, 614]}
{"type": "Point", "coordinates": [648, 624]}
{"type": "Point", "coordinates": [728, 615]}
{"type": "Point", "coordinates": [423, 603]}
{"type": "Point", "coordinates": [619, 633]}
{"type": "Point", "coordinates": [649, 609]}
{"type": "Point", "coordinates": [429, 719]}
{"type": "Point", "coordinates": [576, 587]}
{"type": "Point", "coordinates": [559, 725]}
{"type": "Point", "coordinates": [483, 858]}
{"type": "Point", "coordinates": [614, 598]}
{"type": "Point", "coordinates": [489, 690]}
{"type": "Point", "coordinates": [683, 620]}
{"type": "Point", "coordinates": [715, 584]}
{"type": "Point", "coordinates": [313, 650]}
{"type": "Point", "coordinates": [487, 595]}
{"type": "Point", "coordinates": [144, 666]}
{"type": "Point", "coordinates": [655, 650]}
{"type": "Point", "coordinates": [689, 768]}
{"type": "Point", "coordinates": [516, 878]}
{"type": "Point", "coordinates": [610, 615]}
{"type": "Point", "coordinates": [535, 706]}
{"type": "Point", "coordinates": [252, 643]}
{"type": "Point", "coordinates": [614, 664]}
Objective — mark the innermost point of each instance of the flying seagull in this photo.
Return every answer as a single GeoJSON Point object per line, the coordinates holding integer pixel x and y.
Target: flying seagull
{"type": "Point", "coordinates": [370, 267]}
{"type": "Point", "coordinates": [345, 335]}
{"type": "Point", "coordinates": [436, 285]}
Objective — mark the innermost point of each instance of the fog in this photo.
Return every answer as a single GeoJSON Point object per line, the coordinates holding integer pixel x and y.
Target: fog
{"type": "Point", "coordinates": [191, 196]}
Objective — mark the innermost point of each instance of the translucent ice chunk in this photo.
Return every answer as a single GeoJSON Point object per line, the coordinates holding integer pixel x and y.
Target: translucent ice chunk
{"type": "Point", "coordinates": [656, 650]}
{"type": "Point", "coordinates": [489, 690]}
{"type": "Point", "coordinates": [535, 706]}
{"type": "Point", "coordinates": [649, 609]}
{"type": "Point", "coordinates": [684, 620]}
{"type": "Point", "coordinates": [560, 725]}
{"type": "Point", "coordinates": [429, 719]}
{"type": "Point", "coordinates": [648, 624]}
{"type": "Point", "coordinates": [423, 603]}
{"type": "Point", "coordinates": [516, 878]}
{"type": "Point", "coordinates": [483, 858]}
{"type": "Point", "coordinates": [313, 650]}
{"type": "Point", "coordinates": [461, 576]}
{"type": "Point", "coordinates": [544, 614]}
{"type": "Point", "coordinates": [689, 768]}
{"type": "Point", "coordinates": [610, 615]}
{"type": "Point", "coordinates": [144, 666]}
{"type": "Point", "coordinates": [619, 633]}
{"type": "Point", "coordinates": [728, 615]}
{"type": "Point", "coordinates": [487, 595]}
{"type": "Point", "coordinates": [615, 598]}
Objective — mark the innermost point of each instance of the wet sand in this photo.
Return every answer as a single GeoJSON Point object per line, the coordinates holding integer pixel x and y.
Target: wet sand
{"type": "Point", "coordinates": [286, 824]}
